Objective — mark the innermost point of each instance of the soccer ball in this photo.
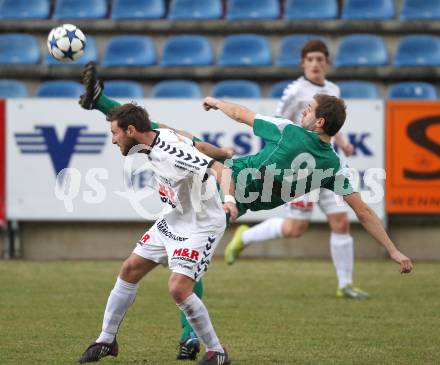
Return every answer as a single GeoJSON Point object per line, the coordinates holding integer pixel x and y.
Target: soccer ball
{"type": "Point", "coordinates": [66, 43]}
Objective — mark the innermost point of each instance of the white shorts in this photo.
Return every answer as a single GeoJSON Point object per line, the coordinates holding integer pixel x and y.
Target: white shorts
{"type": "Point", "coordinates": [302, 207]}
{"type": "Point", "coordinates": [189, 256]}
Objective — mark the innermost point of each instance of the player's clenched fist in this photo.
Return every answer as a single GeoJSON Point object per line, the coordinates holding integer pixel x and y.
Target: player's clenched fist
{"type": "Point", "coordinates": [231, 208]}
{"type": "Point", "coordinates": [210, 103]}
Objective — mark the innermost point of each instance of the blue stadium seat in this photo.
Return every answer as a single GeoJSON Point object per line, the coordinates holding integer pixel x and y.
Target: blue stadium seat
{"type": "Point", "coordinates": [138, 9]}
{"type": "Point", "coordinates": [290, 49]}
{"type": "Point", "coordinates": [123, 89]}
{"type": "Point", "coordinates": [277, 89]}
{"type": "Point", "coordinates": [245, 50]}
{"type": "Point", "coordinates": [24, 9]}
{"type": "Point", "coordinates": [80, 9]}
{"type": "Point", "coordinates": [252, 9]}
{"type": "Point", "coordinates": [354, 89]}
{"type": "Point", "coordinates": [130, 50]}
{"type": "Point", "coordinates": [12, 89]}
{"type": "Point", "coordinates": [420, 9]}
{"type": "Point", "coordinates": [19, 49]}
{"type": "Point", "coordinates": [176, 89]}
{"type": "Point", "coordinates": [361, 50]}
{"type": "Point", "coordinates": [412, 90]}
{"type": "Point", "coordinates": [418, 50]}
{"type": "Point", "coordinates": [90, 54]}
{"type": "Point", "coordinates": [195, 9]}
{"type": "Point", "coordinates": [310, 9]}
{"type": "Point", "coordinates": [368, 9]}
{"type": "Point", "coordinates": [60, 89]}
{"type": "Point", "coordinates": [187, 50]}
{"type": "Point", "coordinates": [236, 89]}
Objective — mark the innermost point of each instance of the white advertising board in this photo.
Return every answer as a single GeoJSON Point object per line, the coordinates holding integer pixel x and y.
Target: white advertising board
{"type": "Point", "coordinates": [47, 136]}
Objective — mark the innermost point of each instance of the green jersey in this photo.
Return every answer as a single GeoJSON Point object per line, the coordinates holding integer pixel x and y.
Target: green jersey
{"type": "Point", "coordinates": [293, 162]}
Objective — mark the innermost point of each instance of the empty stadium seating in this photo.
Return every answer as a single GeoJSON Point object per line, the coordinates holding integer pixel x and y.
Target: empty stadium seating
{"type": "Point", "coordinates": [60, 89]}
{"type": "Point", "coordinates": [195, 9]}
{"type": "Point", "coordinates": [412, 90]}
{"type": "Point", "coordinates": [361, 50]}
{"type": "Point", "coordinates": [418, 50]}
{"type": "Point", "coordinates": [24, 9]}
{"type": "Point", "coordinates": [368, 9]}
{"type": "Point", "coordinates": [129, 50]}
{"type": "Point", "coordinates": [90, 54]}
{"type": "Point", "coordinates": [310, 9]}
{"type": "Point", "coordinates": [138, 9]}
{"type": "Point", "coordinates": [123, 89]}
{"type": "Point", "coordinates": [176, 89]}
{"type": "Point", "coordinates": [252, 9]}
{"type": "Point", "coordinates": [245, 50]}
{"type": "Point", "coordinates": [289, 54]}
{"type": "Point", "coordinates": [19, 49]}
{"type": "Point", "coordinates": [420, 9]}
{"type": "Point", "coordinates": [355, 89]}
{"type": "Point", "coordinates": [80, 9]}
{"type": "Point", "coordinates": [187, 50]}
{"type": "Point", "coordinates": [236, 89]}
{"type": "Point", "coordinates": [12, 89]}
{"type": "Point", "coordinates": [277, 89]}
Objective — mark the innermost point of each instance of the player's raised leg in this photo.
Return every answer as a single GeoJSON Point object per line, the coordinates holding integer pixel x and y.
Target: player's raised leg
{"type": "Point", "coordinates": [121, 298]}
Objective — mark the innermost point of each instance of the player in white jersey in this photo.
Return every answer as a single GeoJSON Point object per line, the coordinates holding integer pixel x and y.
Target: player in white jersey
{"type": "Point", "coordinates": [184, 237]}
{"type": "Point", "coordinates": [296, 96]}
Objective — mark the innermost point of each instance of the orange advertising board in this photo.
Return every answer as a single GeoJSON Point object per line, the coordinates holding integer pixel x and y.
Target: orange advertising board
{"type": "Point", "coordinates": [413, 157]}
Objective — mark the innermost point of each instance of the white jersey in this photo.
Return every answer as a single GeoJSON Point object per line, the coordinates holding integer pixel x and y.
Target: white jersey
{"type": "Point", "coordinates": [182, 179]}
{"type": "Point", "coordinates": [298, 94]}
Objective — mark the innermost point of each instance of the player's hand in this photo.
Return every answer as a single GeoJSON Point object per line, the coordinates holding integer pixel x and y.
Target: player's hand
{"type": "Point", "coordinates": [231, 208]}
{"type": "Point", "coordinates": [210, 103]}
{"type": "Point", "coordinates": [228, 151]}
{"type": "Point", "coordinates": [405, 262]}
{"type": "Point", "coordinates": [348, 149]}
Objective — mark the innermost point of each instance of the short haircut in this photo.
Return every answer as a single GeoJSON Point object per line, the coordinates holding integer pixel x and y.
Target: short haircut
{"type": "Point", "coordinates": [333, 110]}
{"type": "Point", "coordinates": [130, 114]}
{"type": "Point", "coordinates": [315, 45]}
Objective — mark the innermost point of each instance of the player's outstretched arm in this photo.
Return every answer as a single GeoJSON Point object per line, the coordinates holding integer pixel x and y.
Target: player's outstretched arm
{"type": "Point", "coordinates": [345, 146]}
{"type": "Point", "coordinates": [223, 175]}
{"type": "Point", "coordinates": [373, 226]}
{"type": "Point", "coordinates": [234, 111]}
{"type": "Point", "coordinates": [208, 149]}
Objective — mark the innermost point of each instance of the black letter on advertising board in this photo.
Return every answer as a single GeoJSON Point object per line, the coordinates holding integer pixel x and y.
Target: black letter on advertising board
{"type": "Point", "coordinates": [417, 133]}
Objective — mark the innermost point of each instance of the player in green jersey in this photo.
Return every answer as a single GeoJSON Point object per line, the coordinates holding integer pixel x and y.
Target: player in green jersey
{"type": "Point", "coordinates": [297, 160]}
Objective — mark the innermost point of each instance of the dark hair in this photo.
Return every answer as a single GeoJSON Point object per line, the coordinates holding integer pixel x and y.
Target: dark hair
{"type": "Point", "coordinates": [130, 114]}
{"type": "Point", "coordinates": [315, 45]}
{"type": "Point", "coordinates": [333, 110]}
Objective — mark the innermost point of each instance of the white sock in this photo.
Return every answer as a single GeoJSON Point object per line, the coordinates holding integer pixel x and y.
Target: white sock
{"type": "Point", "coordinates": [198, 317]}
{"type": "Point", "coordinates": [269, 229]}
{"type": "Point", "coordinates": [120, 298]}
{"type": "Point", "coordinates": [341, 247]}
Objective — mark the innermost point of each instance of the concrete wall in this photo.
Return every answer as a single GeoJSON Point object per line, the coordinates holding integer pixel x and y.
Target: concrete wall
{"type": "Point", "coordinates": [95, 241]}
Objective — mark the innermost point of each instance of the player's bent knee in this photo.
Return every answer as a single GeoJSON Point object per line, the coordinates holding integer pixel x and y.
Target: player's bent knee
{"type": "Point", "coordinates": [340, 224]}
{"type": "Point", "coordinates": [294, 229]}
{"type": "Point", "coordinates": [180, 287]}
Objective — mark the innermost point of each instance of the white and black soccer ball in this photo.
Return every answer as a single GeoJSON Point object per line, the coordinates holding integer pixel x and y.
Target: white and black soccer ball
{"type": "Point", "coordinates": [66, 43]}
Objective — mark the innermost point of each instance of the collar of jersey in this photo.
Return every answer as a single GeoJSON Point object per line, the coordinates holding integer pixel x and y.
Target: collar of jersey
{"type": "Point", "coordinates": [314, 83]}
{"type": "Point", "coordinates": [148, 150]}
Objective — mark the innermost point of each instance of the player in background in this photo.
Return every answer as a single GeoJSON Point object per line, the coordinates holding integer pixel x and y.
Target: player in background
{"type": "Point", "coordinates": [287, 148]}
{"type": "Point", "coordinates": [296, 96]}
{"type": "Point", "coordinates": [94, 98]}
{"type": "Point", "coordinates": [184, 237]}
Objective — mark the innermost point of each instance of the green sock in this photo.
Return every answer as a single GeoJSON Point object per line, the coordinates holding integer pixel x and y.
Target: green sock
{"type": "Point", "coordinates": [105, 104]}
{"type": "Point", "coordinates": [186, 328]}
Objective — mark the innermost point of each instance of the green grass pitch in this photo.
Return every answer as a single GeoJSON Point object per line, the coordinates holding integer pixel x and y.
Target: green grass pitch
{"type": "Point", "coordinates": [265, 312]}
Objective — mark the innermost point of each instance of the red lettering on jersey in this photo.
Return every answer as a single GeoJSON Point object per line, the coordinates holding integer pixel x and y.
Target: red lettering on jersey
{"type": "Point", "coordinates": [194, 255]}
{"type": "Point", "coordinates": [145, 238]}
{"type": "Point", "coordinates": [185, 252]}
{"type": "Point", "coordinates": [177, 252]}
